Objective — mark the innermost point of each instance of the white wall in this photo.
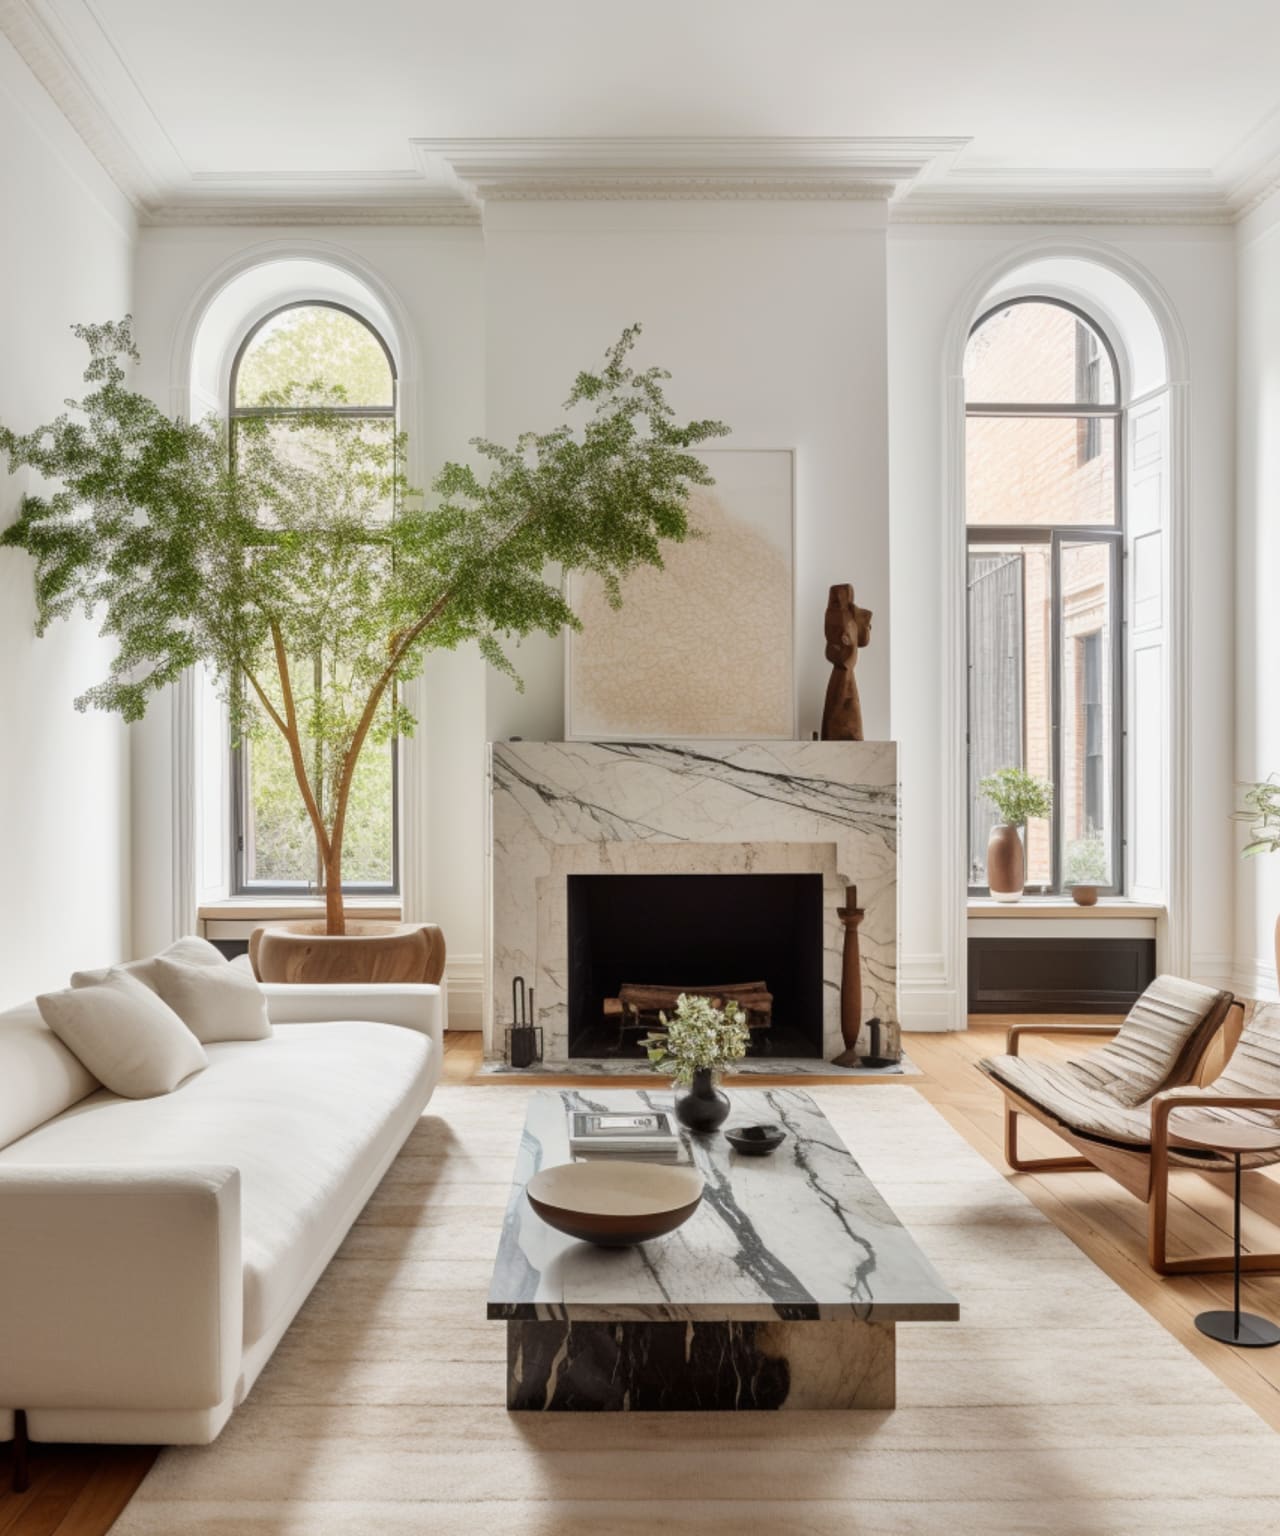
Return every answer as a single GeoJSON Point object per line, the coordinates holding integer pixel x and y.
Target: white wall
{"type": "Point", "coordinates": [931, 271]}
{"type": "Point", "coordinates": [770, 316]}
{"type": "Point", "coordinates": [434, 275]}
{"type": "Point", "coordinates": [804, 325]}
{"type": "Point", "coordinates": [66, 242]}
{"type": "Point", "coordinates": [1257, 742]}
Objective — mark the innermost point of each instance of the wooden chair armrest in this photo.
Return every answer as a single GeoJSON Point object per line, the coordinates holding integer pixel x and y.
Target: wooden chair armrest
{"type": "Point", "coordinates": [1016, 1032]}
{"type": "Point", "coordinates": [1165, 1102]}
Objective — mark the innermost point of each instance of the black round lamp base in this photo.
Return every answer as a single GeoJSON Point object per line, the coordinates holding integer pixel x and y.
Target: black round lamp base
{"type": "Point", "coordinates": [1249, 1331]}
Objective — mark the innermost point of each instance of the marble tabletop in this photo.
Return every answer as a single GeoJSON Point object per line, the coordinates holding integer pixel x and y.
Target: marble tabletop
{"type": "Point", "coordinates": [800, 1235]}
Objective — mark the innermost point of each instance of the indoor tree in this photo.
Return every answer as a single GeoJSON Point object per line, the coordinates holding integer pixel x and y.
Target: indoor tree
{"type": "Point", "coordinates": [299, 567]}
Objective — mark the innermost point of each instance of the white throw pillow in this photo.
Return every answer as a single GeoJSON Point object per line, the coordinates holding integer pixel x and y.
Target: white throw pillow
{"type": "Point", "coordinates": [191, 949]}
{"type": "Point", "coordinates": [131, 1040]}
{"type": "Point", "coordinates": [214, 1002]}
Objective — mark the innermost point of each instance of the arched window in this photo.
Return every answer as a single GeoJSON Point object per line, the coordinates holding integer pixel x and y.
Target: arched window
{"type": "Point", "coordinates": [1045, 529]}
{"type": "Point", "coordinates": [326, 344]}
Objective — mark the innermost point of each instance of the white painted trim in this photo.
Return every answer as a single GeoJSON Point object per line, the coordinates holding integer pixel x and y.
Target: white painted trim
{"type": "Point", "coordinates": [1256, 979]}
{"type": "Point", "coordinates": [69, 50]}
{"type": "Point", "coordinates": [185, 820]}
{"type": "Point", "coordinates": [401, 339]}
{"type": "Point", "coordinates": [466, 977]}
{"type": "Point", "coordinates": [1174, 940]}
{"type": "Point", "coordinates": [1108, 927]}
{"type": "Point", "coordinates": [714, 168]}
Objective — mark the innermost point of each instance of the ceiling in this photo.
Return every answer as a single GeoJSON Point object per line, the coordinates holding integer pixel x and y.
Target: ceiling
{"type": "Point", "coordinates": [1175, 102]}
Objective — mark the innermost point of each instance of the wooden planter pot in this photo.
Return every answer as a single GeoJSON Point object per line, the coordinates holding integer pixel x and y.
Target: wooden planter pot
{"type": "Point", "coordinates": [368, 951]}
{"type": "Point", "coordinates": [1006, 869]}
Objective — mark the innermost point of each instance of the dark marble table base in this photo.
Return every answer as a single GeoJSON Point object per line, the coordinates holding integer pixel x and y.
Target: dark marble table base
{"type": "Point", "coordinates": [683, 1367]}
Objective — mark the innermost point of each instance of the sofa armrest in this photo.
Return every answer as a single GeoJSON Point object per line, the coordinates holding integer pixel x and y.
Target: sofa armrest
{"type": "Point", "coordinates": [120, 1287]}
{"type": "Point", "coordinates": [412, 1005]}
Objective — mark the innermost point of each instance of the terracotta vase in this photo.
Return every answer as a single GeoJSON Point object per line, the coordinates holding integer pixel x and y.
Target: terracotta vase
{"type": "Point", "coordinates": [1085, 895]}
{"type": "Point", "coordinates": [368, 951]}
{"type": "Point", "coordinates": [1005, 864]}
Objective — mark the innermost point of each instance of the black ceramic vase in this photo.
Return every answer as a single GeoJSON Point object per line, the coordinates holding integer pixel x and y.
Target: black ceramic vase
{"type": "Point", "coordinates": [702, 1106]}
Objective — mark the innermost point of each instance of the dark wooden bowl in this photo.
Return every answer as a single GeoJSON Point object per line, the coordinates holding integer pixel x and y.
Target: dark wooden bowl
{"type": "Point", "coordinates": [615, 1204]}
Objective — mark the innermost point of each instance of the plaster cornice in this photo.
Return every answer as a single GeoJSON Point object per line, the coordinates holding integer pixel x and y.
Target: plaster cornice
{"type": "Point", "coordinates": [715, 169]}
{"type": "Point", "coordinates": [922, 180]}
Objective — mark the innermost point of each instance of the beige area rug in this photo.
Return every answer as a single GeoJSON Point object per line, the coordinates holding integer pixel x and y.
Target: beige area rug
{"type": "Point", "coordinates": [1055, 1406]}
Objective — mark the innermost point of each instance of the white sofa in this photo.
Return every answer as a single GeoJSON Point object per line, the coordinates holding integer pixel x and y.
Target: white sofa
{"type": "Point", "coordinates": [153, 1251]}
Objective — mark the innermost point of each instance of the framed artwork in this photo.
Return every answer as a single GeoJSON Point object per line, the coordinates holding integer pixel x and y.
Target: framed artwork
{"type": "Point", "coordinates": [704, 647]}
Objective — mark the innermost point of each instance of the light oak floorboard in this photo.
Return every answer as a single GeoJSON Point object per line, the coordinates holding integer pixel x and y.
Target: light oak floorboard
{"type": "Point", "coordinates": [80, 1490]}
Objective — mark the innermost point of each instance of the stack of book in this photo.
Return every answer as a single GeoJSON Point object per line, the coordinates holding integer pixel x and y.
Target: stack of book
{"type": "Point", "coordinates": [645, 1137]}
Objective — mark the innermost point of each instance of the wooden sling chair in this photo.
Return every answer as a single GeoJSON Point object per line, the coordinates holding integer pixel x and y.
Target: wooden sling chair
{"type": "Point", "coordinates": [1112, 1105]}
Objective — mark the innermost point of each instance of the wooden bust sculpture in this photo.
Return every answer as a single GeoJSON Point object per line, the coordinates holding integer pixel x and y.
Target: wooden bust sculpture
{"type": "Point", "coordinates": [848, 629]}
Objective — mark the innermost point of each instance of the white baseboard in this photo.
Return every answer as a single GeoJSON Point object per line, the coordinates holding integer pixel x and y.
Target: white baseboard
{"type": "Point", "coordinates": [930, 1008]}
{"type": "Point", "coordinates": [465, 975]}
{"type": "Point", "coordinates": [1255, 980]}
{"type": "Point", "coordinates": [927, 996]}
{"type": "Point", "coordinates": [1212, 969]}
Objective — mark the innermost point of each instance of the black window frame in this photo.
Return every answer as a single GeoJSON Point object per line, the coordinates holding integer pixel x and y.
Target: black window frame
{"type": "Point", "coordinates": [1056, 535]}
{"type": "Point", "coordinates": [240, 765]}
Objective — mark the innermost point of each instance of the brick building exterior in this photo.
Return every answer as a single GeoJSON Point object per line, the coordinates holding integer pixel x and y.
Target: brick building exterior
{"type": "Point", "coordinates": [1050, 472]}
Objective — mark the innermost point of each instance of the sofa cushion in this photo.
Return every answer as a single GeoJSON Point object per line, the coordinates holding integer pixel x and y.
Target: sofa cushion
{"type": "Point", "coordinates": [305, 1116]}
{"type": "Point", "coordinates": [39, 1076]}
{"type": "Point", "coordinates": [214, 1002]}
{"type": "Point", "coordinates": [191, 950]}
{"type": "Point", "coordinates": [127, 1036]}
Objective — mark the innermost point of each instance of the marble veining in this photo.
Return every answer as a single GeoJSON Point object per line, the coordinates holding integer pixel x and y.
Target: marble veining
{"type": "Point", "coordinates": [799, 1236]}
{"type": "Point", "coordinates": [752, 1066]}
{"type": "Point", "coordinates": [564, 808]}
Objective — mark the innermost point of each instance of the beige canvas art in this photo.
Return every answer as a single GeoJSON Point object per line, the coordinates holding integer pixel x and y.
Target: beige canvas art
{"type": "Point", "coordinates": [703, 647]}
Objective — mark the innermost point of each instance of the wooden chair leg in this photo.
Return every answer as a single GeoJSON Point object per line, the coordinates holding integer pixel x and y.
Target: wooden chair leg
{"type": "Point", "coordinates": [21, 1453]}
{"type": "Point", "coordinates": [1033, 1164]}
{"type": "Point", "coordinates": [1158, 1233]}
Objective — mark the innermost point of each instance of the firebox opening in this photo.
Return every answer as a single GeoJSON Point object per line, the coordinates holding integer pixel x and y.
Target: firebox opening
{"type": "Point", "coordinates": [632, 936]}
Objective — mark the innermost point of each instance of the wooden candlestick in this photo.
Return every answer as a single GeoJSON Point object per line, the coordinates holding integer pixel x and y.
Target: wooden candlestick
{"type": "Point", "coordinates": [850, 981]}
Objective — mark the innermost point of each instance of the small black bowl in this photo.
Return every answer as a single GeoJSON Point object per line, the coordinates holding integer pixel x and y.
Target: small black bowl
{"type": "Point", "coordinates": [755, 1140]}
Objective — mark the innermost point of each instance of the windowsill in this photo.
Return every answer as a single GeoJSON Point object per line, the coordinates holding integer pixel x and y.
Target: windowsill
{"type": "Point", "coordinates": [242, 908]}
{"type": "Point", "coordinates": [1062, 907]}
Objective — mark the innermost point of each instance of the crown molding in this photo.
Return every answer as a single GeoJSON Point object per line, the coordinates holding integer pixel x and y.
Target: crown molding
{"type": "Point", "coordinates": [270, 199]}
{"type": "Point", "coordinates": [63, 68]}
{"type": "Point", "coordinates": [608, 169]}
{"type": "Point", "coordinates": [67, 49]}
{"type": "Point", "coordinates": [1250, 171]}
{"type": "Point", "coordinates": [1066, 196]}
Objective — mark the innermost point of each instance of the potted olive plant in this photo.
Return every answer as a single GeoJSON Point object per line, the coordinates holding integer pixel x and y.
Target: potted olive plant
{"type": "Point", "coordinates": [1262, 814]}
{"type": "Point", "coordinates": [312, 582]}
{"type": "Point", "coordinates": [695, 1044]}
{"type": "Point", "coordinates": [1019, 797]}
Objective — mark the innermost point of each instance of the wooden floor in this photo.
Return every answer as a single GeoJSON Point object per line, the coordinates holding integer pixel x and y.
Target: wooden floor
{"type": "Point", "coordinates": [80, 1490]}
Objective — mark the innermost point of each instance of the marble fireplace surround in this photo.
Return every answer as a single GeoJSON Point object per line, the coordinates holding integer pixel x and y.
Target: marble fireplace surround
{"type": "Point", "coordinates": [781, 807]}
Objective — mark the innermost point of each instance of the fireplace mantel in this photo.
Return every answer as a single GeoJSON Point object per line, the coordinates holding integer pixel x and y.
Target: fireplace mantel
{"type": "Point", "coordinates": [570, 808]}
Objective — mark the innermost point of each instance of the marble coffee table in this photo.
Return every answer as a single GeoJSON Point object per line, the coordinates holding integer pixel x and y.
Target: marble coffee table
{"type": "Point", "coordinates": [783, 1290]}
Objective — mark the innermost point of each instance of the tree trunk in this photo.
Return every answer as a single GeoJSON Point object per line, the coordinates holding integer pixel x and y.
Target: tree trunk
{"type": "Point", "coordinates": [335, 922]}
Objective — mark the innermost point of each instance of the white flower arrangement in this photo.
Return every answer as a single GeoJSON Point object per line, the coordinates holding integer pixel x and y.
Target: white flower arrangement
{"type": "Point", "coordinates": [698, 1038]}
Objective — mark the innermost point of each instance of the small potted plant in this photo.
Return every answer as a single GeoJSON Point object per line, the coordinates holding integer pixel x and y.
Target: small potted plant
{"type": "Point", "coordinates": [697, 1042]}
{"type": "Point", "coordinates": [1018, 796]}
{"type": "Point", "coordinates": [1087, 868]}
{"type": "Point", "coordinates": [1262, 814]}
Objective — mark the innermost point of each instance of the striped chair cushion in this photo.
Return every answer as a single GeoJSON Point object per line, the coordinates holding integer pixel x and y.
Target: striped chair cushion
{"type": "Point", "coordinates": [1104, 1092]}
{"type": "Point", "coordinates": [1254, 1068]}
